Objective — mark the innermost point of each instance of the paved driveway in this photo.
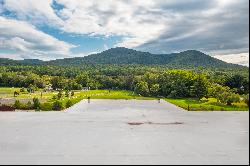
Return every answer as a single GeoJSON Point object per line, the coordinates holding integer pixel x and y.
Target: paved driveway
{"type": "Point", "coordinates": [124, 132]}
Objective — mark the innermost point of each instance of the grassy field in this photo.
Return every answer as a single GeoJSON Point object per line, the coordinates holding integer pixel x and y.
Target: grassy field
{"type": "Point", "coordinates": [102, 94]}
{"type": "Point", "coordinates": [8, 93]}
{"type": "Point", "coordinates": [47, 100]}
{"type": "Point", "coordinates": [207, 105]}
{"type": "Point", "coordinates": [115, 95]}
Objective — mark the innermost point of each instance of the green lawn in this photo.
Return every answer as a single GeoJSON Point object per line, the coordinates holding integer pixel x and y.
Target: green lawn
{"type": "Point", "coordinates": [103, 94]}
{"type": "Point", "coordinates": [94, 94]}
{"type": "Point", "coordinates": [7, 92]}
{"type": "Point", "coordinates": [47, 97]}
{"type": "Point", "coordinates": [194, 105]}
{"type": "Point", "coordinates": [113, 94]}
{"type": "Point", "coordinates": [207, 105]}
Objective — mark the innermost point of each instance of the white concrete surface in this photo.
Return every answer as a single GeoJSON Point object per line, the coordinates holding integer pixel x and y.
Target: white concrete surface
{"type": "Point", "coordinates": [99, 133]}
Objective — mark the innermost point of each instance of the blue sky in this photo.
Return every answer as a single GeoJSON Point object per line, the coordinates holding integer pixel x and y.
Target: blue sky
{"type": "Point", "coordinates": [52, 29]}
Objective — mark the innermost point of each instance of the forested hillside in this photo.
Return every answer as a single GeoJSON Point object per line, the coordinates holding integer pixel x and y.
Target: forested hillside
{"type": "Point", "coordinates": [190, 58]}
{"type": "Point", "coordinates": [186, 59]}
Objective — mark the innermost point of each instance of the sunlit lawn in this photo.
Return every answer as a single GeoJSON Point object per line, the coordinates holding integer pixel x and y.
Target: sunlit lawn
{"type": "Point", "coordinates": [93, 94]}
{"type": "Point", "coordinates": [104, 94]}
{"type": "Point", "coordinates": [207, 105]}
{"type": "Point", "coordinates": [193, 104]}
{"type": "Point", "coordinates": [8, 93]}
{"type": "Point", "coordinates": [48, 98]}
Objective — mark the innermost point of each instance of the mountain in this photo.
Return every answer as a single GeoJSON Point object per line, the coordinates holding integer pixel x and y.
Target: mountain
{"type": "Point", "coordinates": [6, 61]}
{"type": "Point", "coordinates": [190, 58]}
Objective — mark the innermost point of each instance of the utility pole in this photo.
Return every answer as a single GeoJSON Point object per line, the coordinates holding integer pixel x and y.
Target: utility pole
{"type": "Point", "coordinates": [88, 99]}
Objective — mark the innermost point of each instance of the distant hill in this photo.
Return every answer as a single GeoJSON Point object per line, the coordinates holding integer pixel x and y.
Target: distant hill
{"type": "Point", "coordinates": [190, 58]}
{"type": "Point", "coordinates": [6, 61]}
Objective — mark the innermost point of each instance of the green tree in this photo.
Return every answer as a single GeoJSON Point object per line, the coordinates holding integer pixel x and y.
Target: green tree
{"type": "Point", "coordinates": [58, 82]}
{"type": "Point", "coordinates": [216, 91]}
{"type": "Point", "coordinates": [142, 88]}
{"type": "Point", "coordinates": [238, 82]}
{"type": "Point", "coordinates": [154, 90]}
{"type": "Point", "coordinates": [200, 87]}
{"type": "Point", "coordinates": [176, 83]}
{"type": "Point", "coordinates": [223, 94]}
{"type": "Point", "coordinates": [83, 79]}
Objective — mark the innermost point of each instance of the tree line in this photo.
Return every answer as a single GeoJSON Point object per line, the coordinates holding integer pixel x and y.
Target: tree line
{"type": "Point", "coordinates": [154, 81]}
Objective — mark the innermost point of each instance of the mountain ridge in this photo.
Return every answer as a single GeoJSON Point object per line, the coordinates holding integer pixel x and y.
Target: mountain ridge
{"type": "Point", "coordinates": [125, 56]}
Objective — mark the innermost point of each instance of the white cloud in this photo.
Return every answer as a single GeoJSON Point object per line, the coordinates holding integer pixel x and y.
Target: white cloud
{"type": "Point", "coordinates": [112, 18]}
{"type": "Point", "coordinates": [36, 11]}
{"type": "Point", "coordinates": [242, 59]}
{"type": "Point", "coordinates": [213, 26]}
{"type": "Point", "coordinates": [11, 56]}
{"type": "Point", "coordinates": [26, 39]}
{"type": "Point", "coordinates": [106, 47]}
{"type": "Point", "coordinates": [94, 17]}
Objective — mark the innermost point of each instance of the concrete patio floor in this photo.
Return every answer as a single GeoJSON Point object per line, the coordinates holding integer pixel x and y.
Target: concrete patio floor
{"type": "Point", "coordinates": [124, 132]}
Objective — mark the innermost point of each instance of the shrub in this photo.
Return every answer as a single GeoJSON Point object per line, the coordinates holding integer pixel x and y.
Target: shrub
{"type": "Point", "coordinates": [46, 106]}
{"type": "Point", "coordinates": [36, 103]}
{"type": "Point", "coordinates": [246, 99]}
{"type": "Point", "coordinates": [57, 106]}
{"type": "Point", "coordinates": [67, 93]}
{"type": "Point", "coordinates": [17, 104]}
{"type": "Point", "coordinates": [27, 106]}
{"type": "Point", "coordinates": [22, 90]}
{"type": "Point", "coordinates": [69, 104]}
{"type": "Point", "coordinates": [233, 98]}
{"type": "Point", "coordinates": [60, 95]}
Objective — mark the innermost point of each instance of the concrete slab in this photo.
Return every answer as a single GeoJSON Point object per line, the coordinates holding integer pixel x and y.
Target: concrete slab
{"type": "Point", "coordinates": [106, 132]}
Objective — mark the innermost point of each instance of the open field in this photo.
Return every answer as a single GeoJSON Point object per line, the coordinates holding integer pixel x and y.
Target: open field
{"type": "Point", "coordinates": [124, 132]}
{"type": "Point", "coordinates": [207, 105]}
{"type": "Point", "coordinates": [7, 93]}
{"type": "Point", "coordinates": [47, 99]}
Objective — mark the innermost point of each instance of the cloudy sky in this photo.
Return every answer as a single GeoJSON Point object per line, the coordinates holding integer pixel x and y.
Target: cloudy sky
{"type": "Point", "coordinates": [51, 29]}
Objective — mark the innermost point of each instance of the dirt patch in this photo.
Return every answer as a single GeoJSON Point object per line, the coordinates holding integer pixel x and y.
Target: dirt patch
{"type": "Point", "coordinates": [152, 123]}
{"type": "Point", "coordinates": [135, 123]}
